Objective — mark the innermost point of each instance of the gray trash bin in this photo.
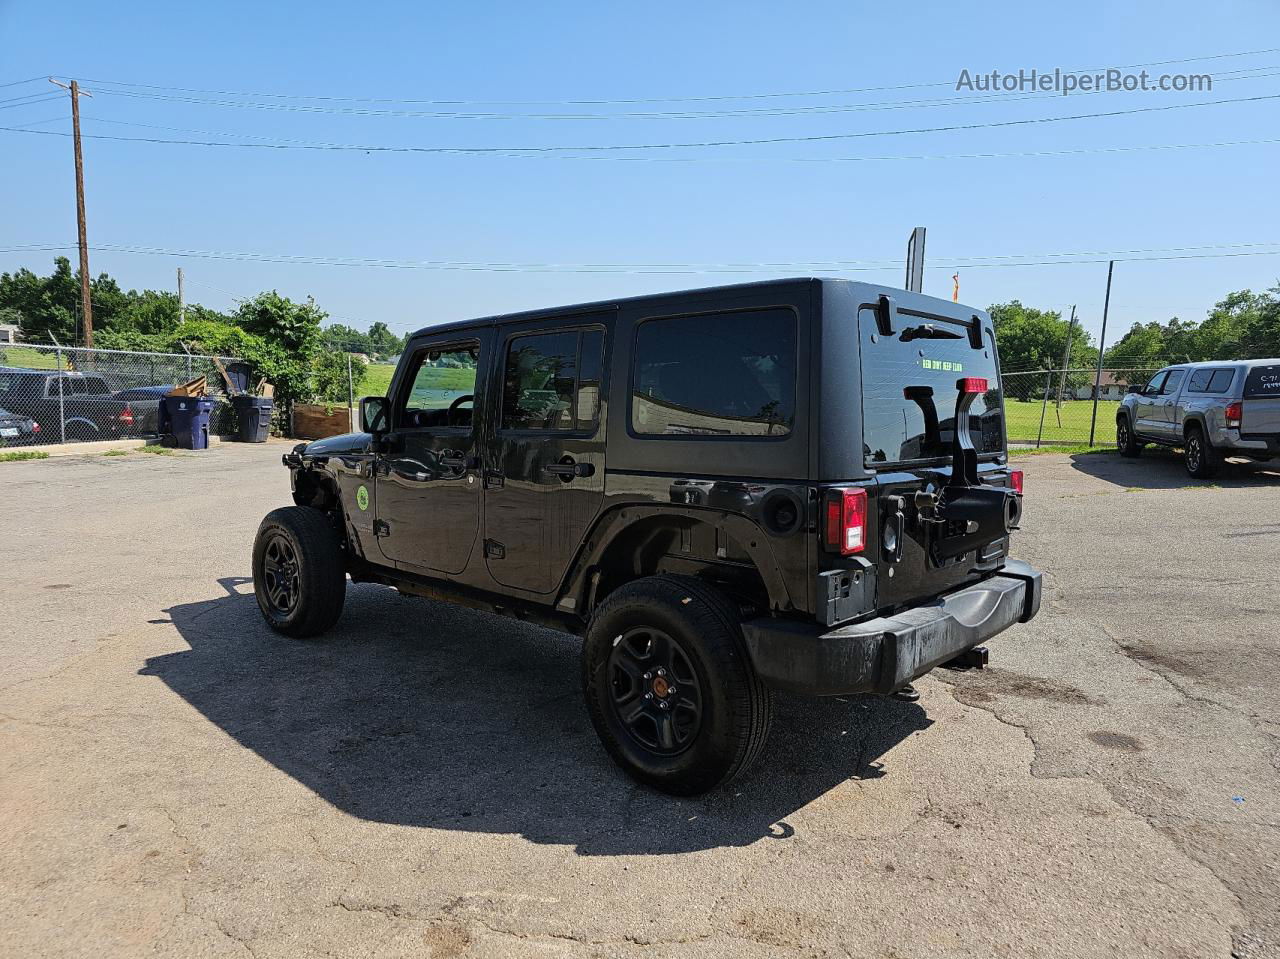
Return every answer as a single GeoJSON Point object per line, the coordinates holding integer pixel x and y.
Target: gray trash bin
{"type": "Point", "coordinates": [253, 417]}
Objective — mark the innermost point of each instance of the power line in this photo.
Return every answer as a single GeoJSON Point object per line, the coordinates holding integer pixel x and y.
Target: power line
{"type": "Point", "coordinates": [751, 113]}
{"type": "Point", "coordinates": [609, 148]}
{"type": "Point", "coordinates": [990, 261]}
{"type": "Point", "coordinates": [30, 100]}
{"type": "Point", "coordinates": [18, 83]}
{"type": "Point", "coordinates": [767, 159]}
{"type": "Point", "coordinates": [636, 100]}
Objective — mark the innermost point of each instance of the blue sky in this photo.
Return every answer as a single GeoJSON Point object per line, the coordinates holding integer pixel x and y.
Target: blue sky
{"type": "Point", "coordinates": [783, 203]}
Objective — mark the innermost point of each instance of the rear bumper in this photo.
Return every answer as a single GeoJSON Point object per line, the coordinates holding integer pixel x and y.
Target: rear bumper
{"type": "Point", "coordinates": [884, 654]}
{"type": "Point", "coordinates": [1253, 443]}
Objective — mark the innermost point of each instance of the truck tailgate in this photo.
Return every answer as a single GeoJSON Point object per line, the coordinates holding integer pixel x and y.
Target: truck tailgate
{"type": "Point", "coordinates": [1261, 416]}
{"type": "Point", "coordinates": [1261, 402]}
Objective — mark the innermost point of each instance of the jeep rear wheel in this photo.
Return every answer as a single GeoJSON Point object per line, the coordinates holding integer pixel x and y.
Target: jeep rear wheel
{"type": "Point", "coordinates": [299, 572]}
{"type": "Point", "coordinates": [1202, 460]}
{"type": "Point", "coordinates": [669, 686]}
{"type": "Point", "coordinates": [1125, 440]}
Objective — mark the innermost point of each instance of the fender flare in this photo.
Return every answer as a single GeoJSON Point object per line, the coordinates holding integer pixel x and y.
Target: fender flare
{"type": "Point", "coordinates": [611, 526]}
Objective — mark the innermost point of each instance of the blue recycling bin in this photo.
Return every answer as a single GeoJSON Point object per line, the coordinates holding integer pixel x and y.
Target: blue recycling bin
{"type": "Point", "coordinates": [186, 419]}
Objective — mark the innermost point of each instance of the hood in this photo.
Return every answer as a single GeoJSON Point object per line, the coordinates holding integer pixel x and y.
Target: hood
{"type": "Point", "coordinates": [348, 444]}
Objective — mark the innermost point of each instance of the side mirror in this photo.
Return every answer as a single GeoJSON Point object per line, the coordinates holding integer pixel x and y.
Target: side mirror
{"type": "Point", "coordinates": [375, 414]}
{"type": "Point", "coordinates": [1134, 388]}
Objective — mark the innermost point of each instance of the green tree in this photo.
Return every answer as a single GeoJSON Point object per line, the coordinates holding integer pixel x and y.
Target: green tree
{"type": "Point", "coordinates": [382, 342]}
{"type": "Point", "coordinates": [346, 339]}
{"type": "Point", "coordinates": [294, 327]}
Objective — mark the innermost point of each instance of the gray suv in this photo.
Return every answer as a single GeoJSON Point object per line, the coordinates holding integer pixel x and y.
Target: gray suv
{"type": "Point", "coordinates": [1211, 410]}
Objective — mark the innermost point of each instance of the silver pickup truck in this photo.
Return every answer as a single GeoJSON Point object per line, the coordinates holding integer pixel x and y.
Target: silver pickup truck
{"type": "Point", "coordinates": [1211, 410]}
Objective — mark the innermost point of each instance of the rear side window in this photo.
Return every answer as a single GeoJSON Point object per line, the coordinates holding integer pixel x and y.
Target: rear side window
{"type": "Point", "coordinates": [909, 391]}
{"type": "Point", "coordinates": [721, 374]}
{"type": "Point", "coordinates": [1220, 382]}
{"type": "Point", "coordinates": [1210, 381]}
{"type": "Point", "coordinates": [1263, 382]}
{"type": "Point", "coordinates": [551, 381]}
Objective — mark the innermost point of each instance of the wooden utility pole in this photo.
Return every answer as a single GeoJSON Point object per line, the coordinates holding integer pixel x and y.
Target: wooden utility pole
{"type": "Point", "coordinates": [86, 303]}
{"type": "Point", "coordinates": [182, 303]}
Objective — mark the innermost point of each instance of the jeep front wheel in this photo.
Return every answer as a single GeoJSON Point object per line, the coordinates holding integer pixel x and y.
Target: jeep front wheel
{"type": "Point", "coordinates": [299, 571]}
{"type": "Point", "coordinates": [669, 686]}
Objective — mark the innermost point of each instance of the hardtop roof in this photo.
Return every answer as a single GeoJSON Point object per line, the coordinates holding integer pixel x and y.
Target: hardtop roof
{"type": "Point", "coordinates": [729, 289]}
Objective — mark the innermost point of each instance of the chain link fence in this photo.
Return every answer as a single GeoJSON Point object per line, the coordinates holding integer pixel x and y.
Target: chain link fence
{"type": "Point", "coordinates": [1057, 408]}
{"type": "Point", "coordinates": [55, 394]}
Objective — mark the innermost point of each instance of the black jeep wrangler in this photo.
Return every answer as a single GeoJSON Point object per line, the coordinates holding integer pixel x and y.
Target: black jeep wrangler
{"type": "Point", "coordinates": [800, 484]}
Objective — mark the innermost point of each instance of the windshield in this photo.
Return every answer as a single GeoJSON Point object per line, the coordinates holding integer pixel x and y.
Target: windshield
{"type": "Point", "coordinates": [909, 391]}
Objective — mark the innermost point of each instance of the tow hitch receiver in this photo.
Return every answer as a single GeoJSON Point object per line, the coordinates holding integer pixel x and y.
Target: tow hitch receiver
{"type": "Point", "coordinates": [975, 658]}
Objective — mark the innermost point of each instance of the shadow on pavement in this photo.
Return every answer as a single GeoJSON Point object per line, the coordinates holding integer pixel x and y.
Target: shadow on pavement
{"type": "Point", "coordinates": [425, 714]}
{"type": "Point", "coordinates": [1159, 468]}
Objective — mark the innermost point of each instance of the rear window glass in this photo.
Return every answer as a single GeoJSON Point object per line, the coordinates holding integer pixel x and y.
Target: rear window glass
{"type": "Point", "coordinates": [1220, 382]}
{"type": "Point", "coordinates": [724, 374]}
{"type": "Point", "coordinates": [1263, 381]}
{"type": "Point", "coordinates": [1199, 380]}
{"type": "Point", "coordinates": [909, 392]}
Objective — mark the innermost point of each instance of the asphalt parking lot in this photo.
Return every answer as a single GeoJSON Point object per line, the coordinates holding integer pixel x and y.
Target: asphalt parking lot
{"type": "Point", "coordinates": [175, 780]}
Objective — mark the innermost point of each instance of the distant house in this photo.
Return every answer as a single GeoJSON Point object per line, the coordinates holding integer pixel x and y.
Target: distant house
{"type": "Point", "coordinates": [1109, 388]}
{"type": "Point", "coordinates": [10, 333]}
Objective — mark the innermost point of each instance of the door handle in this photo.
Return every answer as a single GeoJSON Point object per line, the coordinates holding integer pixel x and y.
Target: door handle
{"type": "Point", "coordinates": [569, 470]}
{"type": "Point", "coordinates": [459, 462]}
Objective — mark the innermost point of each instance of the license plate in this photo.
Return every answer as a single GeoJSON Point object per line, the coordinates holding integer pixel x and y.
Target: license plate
{"type": "Point", "coordinates": [8, 433]}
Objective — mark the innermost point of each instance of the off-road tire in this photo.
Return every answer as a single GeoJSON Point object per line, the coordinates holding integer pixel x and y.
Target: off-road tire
{"type": "Point", "coordinates": [1201, 459]}
{"type": "Point", "coordinates": [736, 707]}
{"type": "Point", "coordinates": [320, 580]}
{"type": "Point", "coordinates": [1126, 442]}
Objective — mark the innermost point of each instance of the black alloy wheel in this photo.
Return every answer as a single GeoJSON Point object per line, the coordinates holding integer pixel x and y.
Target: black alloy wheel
{"type": "Point", "coordinates": [656, 695]}
{"type": "Point", "coordinates": [280, 574]}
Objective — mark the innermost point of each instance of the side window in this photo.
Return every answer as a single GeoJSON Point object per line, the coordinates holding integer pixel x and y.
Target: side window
{"type": "Point", "coordinates": [1154, 384]}
{"type": "Point", "coordinates": [1220, 382]}
{"type": "Point", "coordinates": [1199, 381]}
{"type": "Point", "coordinates": [724, 374]}
{"type": "Point", "coordinates": [1173, 382]}
{"type": "Point", "coordinates": [443, 387]}
{"type": "Point", "coordinates": [551, 381]}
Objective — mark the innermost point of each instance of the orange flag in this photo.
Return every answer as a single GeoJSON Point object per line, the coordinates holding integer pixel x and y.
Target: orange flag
{"type": "Point", "coordinates": [955, 287]}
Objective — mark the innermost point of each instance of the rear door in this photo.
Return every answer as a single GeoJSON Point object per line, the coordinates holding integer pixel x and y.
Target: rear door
{"type": "Point", "coordinates": [1261, 400]}
{"type": "Point", "coordinates": [544, 465]}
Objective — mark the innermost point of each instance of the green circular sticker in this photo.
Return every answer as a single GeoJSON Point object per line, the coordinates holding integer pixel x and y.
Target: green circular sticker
{"type": "Point", "coordinates": [362, 497]}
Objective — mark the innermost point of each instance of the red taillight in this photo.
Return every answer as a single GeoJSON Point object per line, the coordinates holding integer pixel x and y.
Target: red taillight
{"type": "Point", "coordinates": [1015, 481]}
{"type": "Point", "coordinates": [127, 416]}
{"type": "Point", "coordinates": [847, 520]}
{"type": "Point", "coordinates": [1235, 412]}
{"type": "Point", "coordinates": [35, 427]}
{"type": "Point", "coordinates": [972, 384]}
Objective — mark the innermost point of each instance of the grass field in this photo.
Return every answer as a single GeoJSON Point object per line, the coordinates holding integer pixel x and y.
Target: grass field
{"type": "Point", "coordinates": [1022, 422]}
{"type": "Point", "coordinates": [28, 358]}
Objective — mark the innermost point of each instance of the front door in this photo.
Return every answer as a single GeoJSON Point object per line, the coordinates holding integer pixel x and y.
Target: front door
{"type": "Point", "coordinates": [544, 475]}
{"type": "Point", "coordinates": [428, 489]}
{"type": "Point", "coordinates": [1145, 410]}
{"type": "Point", "coordinates": [1170, 424]}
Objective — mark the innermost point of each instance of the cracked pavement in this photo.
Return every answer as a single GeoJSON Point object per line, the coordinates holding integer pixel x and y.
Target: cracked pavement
{"type": "Point", "coordinates": [177, 781]}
